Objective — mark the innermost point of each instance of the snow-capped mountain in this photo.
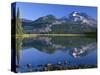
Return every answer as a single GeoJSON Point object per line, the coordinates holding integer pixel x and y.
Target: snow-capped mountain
{"type": "Point", "coordinates": [77, 17]}
{"type": "Point", "coordinates": [83, 18]}
{"type": "Point", "coordinates": [76, 22]}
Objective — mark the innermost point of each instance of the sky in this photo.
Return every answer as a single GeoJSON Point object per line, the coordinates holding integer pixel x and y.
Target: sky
{"type": "Point", "coordinates": [33, 11]}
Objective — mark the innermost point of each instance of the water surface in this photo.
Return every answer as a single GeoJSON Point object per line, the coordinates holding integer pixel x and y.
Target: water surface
{"type": "Point", "coordinates": [50, 50]}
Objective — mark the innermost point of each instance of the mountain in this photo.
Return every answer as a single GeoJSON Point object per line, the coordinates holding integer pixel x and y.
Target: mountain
{"type": "Point", "coordinates": [76, 22]}
{"type": "Point", "coordinates": [41, 25]}
{"type": "Point", "coordinates": [46, 19]}
{"type": "Point", "coordinates": [26, 20]}
{"type": "Point", "coordinates": [26, 25]}
{"type": "Point", "coordinates": [82, 18]}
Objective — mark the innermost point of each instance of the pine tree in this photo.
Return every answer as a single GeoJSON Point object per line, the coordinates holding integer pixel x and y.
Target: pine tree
{"type": "Point", "coordinates": [19, 29]}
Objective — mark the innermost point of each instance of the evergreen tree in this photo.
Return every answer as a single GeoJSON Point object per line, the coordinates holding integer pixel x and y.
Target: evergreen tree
{"type": "Point", "coordinates": [19, 29]}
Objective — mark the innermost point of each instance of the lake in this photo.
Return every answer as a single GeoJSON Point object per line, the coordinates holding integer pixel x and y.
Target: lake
{"type": "Point", "coordinates": [41, 50]}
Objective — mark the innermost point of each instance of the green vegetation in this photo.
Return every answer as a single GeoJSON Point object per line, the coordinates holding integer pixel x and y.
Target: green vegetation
{"type": "Point", "coordinates": [49, 44]}
{"type": "Point", "coordinates": [72, 41]}
{"type": "Point", "coordinates": [18, 48]}
{"type": "Point", "coordinates": [19, 29]}
{"type": "Point", "coordinates": [72, 28]}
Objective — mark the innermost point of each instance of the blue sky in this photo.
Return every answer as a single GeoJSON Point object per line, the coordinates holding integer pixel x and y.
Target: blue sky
{"type": "Point", "coordinates": [33, 11]}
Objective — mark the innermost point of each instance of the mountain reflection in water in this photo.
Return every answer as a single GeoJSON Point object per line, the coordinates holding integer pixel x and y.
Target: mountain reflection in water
{"type": "Point", "coordinates": [51, 49]}
{"type": "Point", "coordinates": [47, 44]}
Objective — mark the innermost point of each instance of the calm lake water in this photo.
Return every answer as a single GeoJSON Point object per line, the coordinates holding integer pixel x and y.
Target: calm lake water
{"type": "Point", "coordinates": [50, 50]}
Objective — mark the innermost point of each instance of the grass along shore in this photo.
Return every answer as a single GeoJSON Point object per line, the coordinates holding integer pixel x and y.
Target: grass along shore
{"type": "Point", "coordinates": [35, 35]}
